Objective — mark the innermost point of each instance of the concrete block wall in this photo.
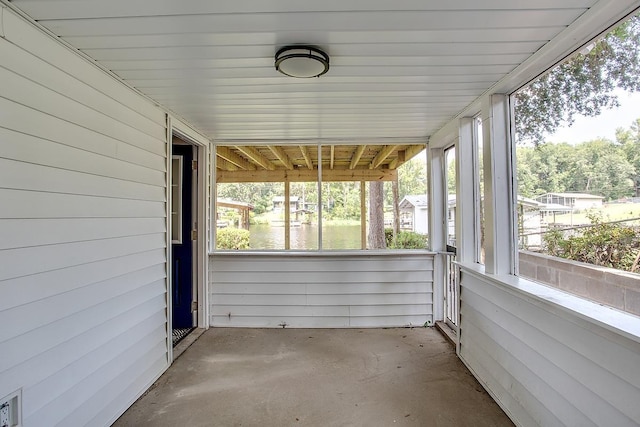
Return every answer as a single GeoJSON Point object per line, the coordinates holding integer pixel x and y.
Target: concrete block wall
{"type": "Point", "coordinates": [614, 288]}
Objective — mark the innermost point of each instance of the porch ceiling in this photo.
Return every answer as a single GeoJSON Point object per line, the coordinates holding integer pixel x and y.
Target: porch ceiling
{"type": "Point", "coordinates": [399, 69]}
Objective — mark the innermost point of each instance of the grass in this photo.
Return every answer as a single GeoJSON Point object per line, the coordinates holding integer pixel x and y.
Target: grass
{"type": "Point", "coordinates": [609, 212]}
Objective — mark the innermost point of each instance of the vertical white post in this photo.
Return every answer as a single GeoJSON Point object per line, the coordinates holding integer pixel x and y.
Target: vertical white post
{"type": "Point", "coordinates": [287, 215]}
{"type": "Point", "coordinates": [437, 225]}
{"type": "Point", "coordinates": [319, 196]}
{"type": "Point", "coordinates": [499, 186]}
{"type": "Point", "coordinates": [466, 215]}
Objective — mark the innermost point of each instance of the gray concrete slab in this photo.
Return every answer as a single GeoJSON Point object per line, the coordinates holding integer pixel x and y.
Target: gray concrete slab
{"type": "Point", "coordinates": [317, 377]}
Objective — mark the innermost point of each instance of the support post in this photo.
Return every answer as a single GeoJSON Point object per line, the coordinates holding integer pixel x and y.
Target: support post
{"type": "Point", "coordinates": [287, 215]}
{"type": "Point", "coordinates": [363, 216]}
{"type": "Point", "coordinates": [466, 195]}
{"type": "Point", "coordinates": [499, 186]}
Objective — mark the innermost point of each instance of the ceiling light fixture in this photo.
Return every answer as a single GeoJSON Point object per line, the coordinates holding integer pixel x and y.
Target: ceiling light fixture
{"type": "Point", "coordinates": [302, 61]}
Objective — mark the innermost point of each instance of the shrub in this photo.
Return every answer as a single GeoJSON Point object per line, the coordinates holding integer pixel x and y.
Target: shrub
{"type": "Point", "coordinates": [232, 238]}
{"type": "Point", "coordinates": [405, 240]}
{"type": "Point", "coordinates": [606, 244]}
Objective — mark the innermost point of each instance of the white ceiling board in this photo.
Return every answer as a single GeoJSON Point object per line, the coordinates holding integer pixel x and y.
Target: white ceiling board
{"type": "Point", "coordinates": [398, 69]}
{"type": "Point", "coordinates": [313, 21]}
{"type": "Point", "coordinates": [68, 9]}
{"type": "Point", "coordinates": [479, 35]}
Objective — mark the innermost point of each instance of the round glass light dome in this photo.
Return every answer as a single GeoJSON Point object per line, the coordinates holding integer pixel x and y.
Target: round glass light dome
{"type": "Point", "coordinates": [302, 61]}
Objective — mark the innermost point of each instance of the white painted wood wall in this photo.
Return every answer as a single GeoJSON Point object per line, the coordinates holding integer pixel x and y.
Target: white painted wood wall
{"type": "Point", "coordinates": [82, 234]}
{"type": "Point", "coordinates": [543, 361]}
{"type": "Point", "coordinates": [322, 290]}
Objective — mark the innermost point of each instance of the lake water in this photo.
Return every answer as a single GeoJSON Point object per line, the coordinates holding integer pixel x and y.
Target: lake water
{"type": "Point", "coordinates": [305, 237]}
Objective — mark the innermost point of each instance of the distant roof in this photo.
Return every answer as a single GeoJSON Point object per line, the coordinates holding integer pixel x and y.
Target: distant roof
{"type": "Point", "coordinates": [281, 199]}
{"type": "Point", "coordinates": [576, 195]}
{"type": "Point", "coordinates": [417, 200]}
{"type": "Point", "coordinates": [228, 203]}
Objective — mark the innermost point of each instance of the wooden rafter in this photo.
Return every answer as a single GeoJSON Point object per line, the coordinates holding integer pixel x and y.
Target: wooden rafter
{"type": "Point", "coordinates": [382, 156]}
{"type": "Point", "coordinates": [256, 157]}
{"type": "Point", "coordinates": [281, 155]}
{"type": "Point", "coordinates": [307, 158]}
{"type": "Point", "coordinates": [225, 164]}
{"type": "Point", "coordinates": [409, 153]}
{"type": "Point", "coordinates": [356, 156]}
{"type": "Point", "coordinates": [332, 156]}
{"type": "Point", "coordinates": [306, 175]}
{"type": "Point", "coordinates": [228, 155]}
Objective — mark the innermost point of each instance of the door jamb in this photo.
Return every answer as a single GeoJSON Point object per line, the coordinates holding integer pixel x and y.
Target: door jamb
{"type": "Point", "coordinates": [176, 127]}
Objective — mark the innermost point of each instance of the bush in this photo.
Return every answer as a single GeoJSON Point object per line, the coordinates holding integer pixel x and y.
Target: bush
{"type": "Point", "coordinates": [232, 238]}
{"type": "Point", "coordinates": [605, 244]}
{"type": "Point", "coordinates": [405, 240]}
{"type": "Point", "coordinates": [409, 240]}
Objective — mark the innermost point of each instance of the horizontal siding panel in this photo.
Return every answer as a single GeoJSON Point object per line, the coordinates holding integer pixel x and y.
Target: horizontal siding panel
{"type": "Point", "coordinates": [35, 69]}
{"type": "Point", "coordinates": [27, 176]}
{"type": "Point", "coordinates": [35, 342]}
{"type": "Point", "coordinates": [371, 299]}
{"type": "Point", "coordinates": [505, 389]}
{"type": "Point", "coordinates": [527, 370]}
{"type": "Point", "coordinates": [277, 322]}
{"type": "Point", "coordinates": [280, 310]}
{"type": "Point", "coordinates": [21, 233]}
{"type": "Point", "coordinates": [82, 233]}
{"type": "Point", "coordinates": [390, 310]}
{"type": "Point", "coordinates": [322, 288]}
{"type": "Point", "coordinates": [66, 304]}
{"type": "Point", "coordinates": [323, 291]}
{"type": "Point", "coordinates": [621, 362]}
{"type": "Point", "coordinates": [40, 286]}
{"type": "Point", "coordinates": [390, 321]}
{"type": "Point", "coordinates": [38, 204]}
{"type": "Point", "coordinates": [26, 261]}
{"type": "Point", "coordinates": [55, 386]}
{"type": "Point", "coordinates": [88, 394]}
{"type": "Point", "coordinates": [583, 374]}
{"type": "Point", "coordinates": [26, 120]}
{"type": "Point", "coordinates": [588, 386]}
{"type": "Point", "coordinates": [43, 99]}
{"type": "Point", "coordinates": [320, 277]}
{"type": "Point", "coordinates": [32, 149]}
{"type": "Point", "coordinates": [386, 263]}
{"type": "Point", "coordinates": [32, 371]}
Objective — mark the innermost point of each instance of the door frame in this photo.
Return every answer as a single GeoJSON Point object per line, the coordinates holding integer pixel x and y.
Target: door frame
{"type": "Point", "coordinates": [178, 128]}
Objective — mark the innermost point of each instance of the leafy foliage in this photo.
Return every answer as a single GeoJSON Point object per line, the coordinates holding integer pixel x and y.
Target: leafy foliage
{"type": "Point", "coordinates": [405, 240]}
{"type": "Point", "coordinates": [597, 167]}
{"type": "Point", "coordinates": [232, 238]}
{"type": "Point", "coordinates": [583, 85]}
{"type": "Point", "coordinates": [606, 244]}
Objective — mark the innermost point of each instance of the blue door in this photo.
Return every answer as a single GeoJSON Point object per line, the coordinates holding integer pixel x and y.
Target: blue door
{"type": "Point", "coordinates": [182, 245]}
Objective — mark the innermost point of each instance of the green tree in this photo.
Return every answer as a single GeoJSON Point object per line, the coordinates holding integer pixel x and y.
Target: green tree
{"type": "Point", "coordinates": [629, 140]}
{"type": "Point", "coordinates": [583, 85]}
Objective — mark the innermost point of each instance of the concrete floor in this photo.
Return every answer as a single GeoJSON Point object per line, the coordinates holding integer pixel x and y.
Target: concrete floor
{"type": "Point", "coordinates": [317, 377]}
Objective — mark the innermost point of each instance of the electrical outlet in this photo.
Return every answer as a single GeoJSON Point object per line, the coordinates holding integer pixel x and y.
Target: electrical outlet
{"type": "Point", "coordinates": [10, 410]}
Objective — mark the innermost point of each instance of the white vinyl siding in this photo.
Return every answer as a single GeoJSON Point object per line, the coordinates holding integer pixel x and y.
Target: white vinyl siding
{"type": "Point", "coordinates": [321, 291]}
{"type": "Point", "coordinates": [547, 365]}
{"type": "Point", "coordinates": [82, 234]}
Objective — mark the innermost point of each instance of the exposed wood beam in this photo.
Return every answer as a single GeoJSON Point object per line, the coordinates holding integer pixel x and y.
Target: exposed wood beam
{"type": "Point", "coordinates": [409, 153]}
{"type": "Point", "coordinates": [356, 156]}
{"type": "Point", "coordinates": [225, 165]}
{"type": "Point", "coordinates": [281, 155]}
{"type": "Point", "coordinates": [332, 156]}
{"type": "Point", "coordinates": [382, 156]}
{"type": "Point", "coordinates": [256, 157]}
{"type": "Point", "coordinates": [306, 175]}
{"type": "Point", "coordinates": [307, 158]}
{"type": "Point", "coordinates": [228, 155]}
